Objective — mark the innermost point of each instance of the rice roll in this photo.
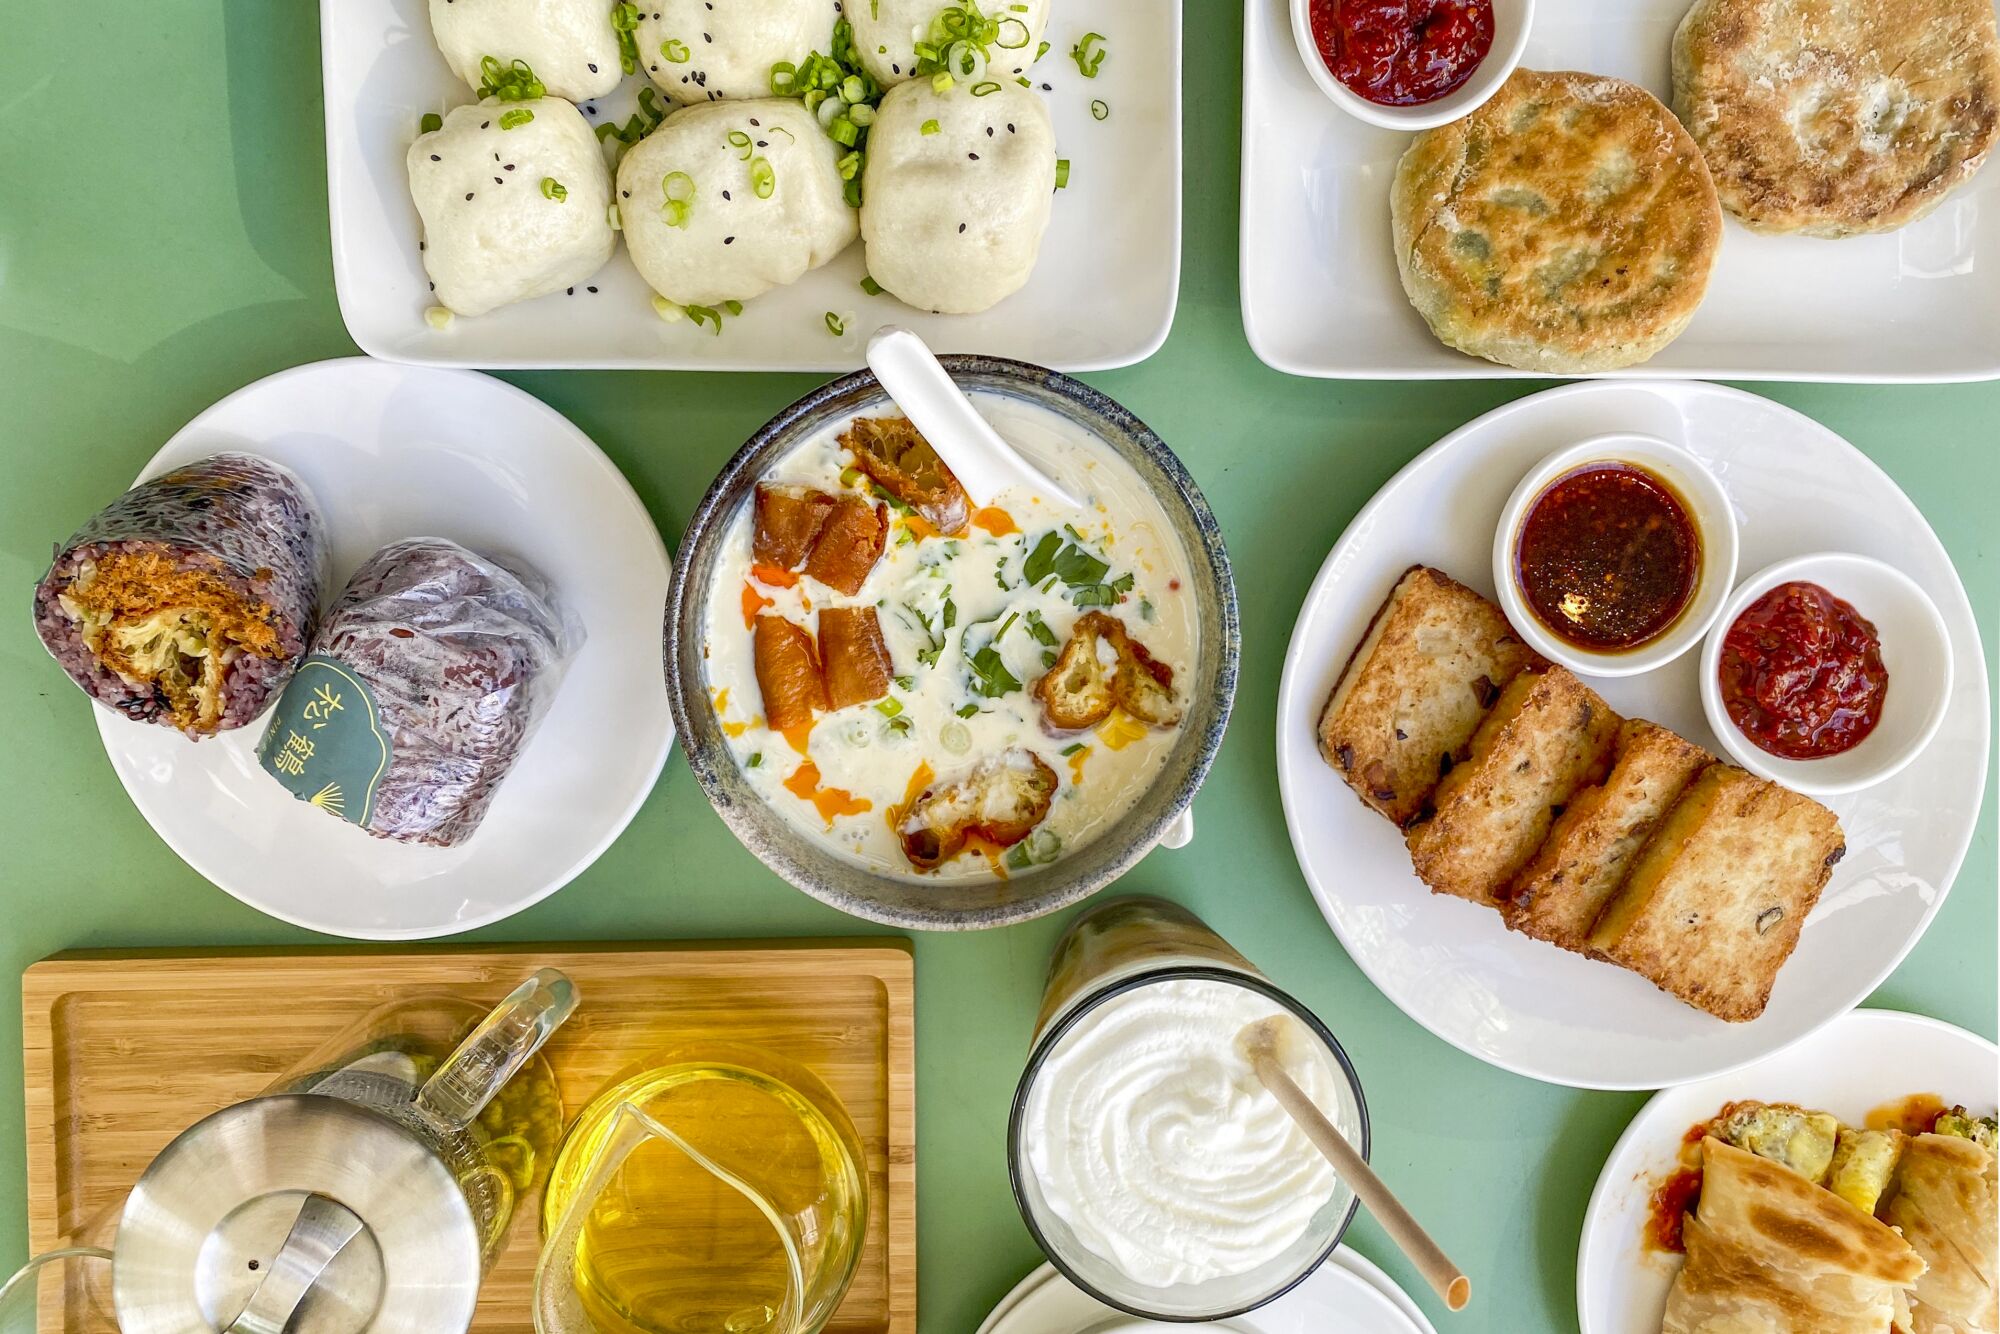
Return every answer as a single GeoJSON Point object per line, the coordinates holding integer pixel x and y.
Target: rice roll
{"type": "Point", "coordinates": [433, 670]}
{"type": "Point", "coordinates": [189, 600]}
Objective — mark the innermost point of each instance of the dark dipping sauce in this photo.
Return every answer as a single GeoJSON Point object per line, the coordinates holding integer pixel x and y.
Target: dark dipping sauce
{"type": "Point", "coordinates": [1401, 53]}
{"type": "Point", "coordinates": [1607, 557]}
{"type": "Point", "coordinates": [1801, 673]}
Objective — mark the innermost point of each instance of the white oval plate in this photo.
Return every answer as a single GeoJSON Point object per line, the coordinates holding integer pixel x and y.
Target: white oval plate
{"type": "Point", "coordinates": [1857, 1063]}
{"type": "Point", "coordinates": [1348, 1293]}
{"type": "Point", "coordinates": [1529, 1007]}
{"type": "Point", "coordinates": [392, 452]}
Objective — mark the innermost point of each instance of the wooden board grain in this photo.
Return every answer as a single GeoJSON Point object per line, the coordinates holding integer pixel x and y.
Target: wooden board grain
{"type": "Point", "coordinates": [124, 1050]}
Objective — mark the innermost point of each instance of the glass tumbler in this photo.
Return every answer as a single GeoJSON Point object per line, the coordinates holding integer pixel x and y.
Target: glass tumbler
{"type": "Point", "coordinates": [1116, 948]}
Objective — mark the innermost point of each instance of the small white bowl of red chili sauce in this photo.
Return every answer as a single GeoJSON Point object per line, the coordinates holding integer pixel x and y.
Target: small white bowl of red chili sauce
{"type": "Point", "coordinates": [1615, 555]}
{"type": "Point", "coordinates": [1410, 64]}
{"type": "Point", "coordinates": [1827, 673]}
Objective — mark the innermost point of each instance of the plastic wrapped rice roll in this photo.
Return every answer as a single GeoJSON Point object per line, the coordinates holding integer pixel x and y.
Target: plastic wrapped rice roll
{"type": "Point", "coordinates": [190, 599]}
{"type": "Point", "coordinates": [434, 668]}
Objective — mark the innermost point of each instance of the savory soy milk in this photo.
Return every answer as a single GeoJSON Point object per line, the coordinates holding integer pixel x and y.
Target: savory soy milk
{"type": "Point", "coordinates": [1001, 682]}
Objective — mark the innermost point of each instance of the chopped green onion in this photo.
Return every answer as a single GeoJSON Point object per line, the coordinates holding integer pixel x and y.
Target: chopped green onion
{"type": "Point", "coordinates": [1041, 50]}
{"type": "Point", "coordinates": [517, 117]}
{"type": "Point", "coordinates": [706, 313]}
{"type": "Point", "coordinates": [677, 211]}
{"type": "Point", "coordinates": [1074, 748]}
{"type": "Point", "coordinates": [438, 317]}
{"type": "Point", "coordinates": [554, 189]}
{"type": "Point", "coordinates": [835, 325]}
{"type": "Point", "coordinates": [1023, 81]}
{"type": "Point", "coordinates": [756, 758]}
{"type": "Point", "coordinates": [740, 141]}
{"type": "Point", "coordinates": [850, 165]}
{"type": "Point", "coordinates": [670, 311]}
{"type": "Point", "coordinates": [763, 181]}
{"type": "Point", "coordinates": [1062, 173]}
{"type": "Point", "coordinates": [928, 127]}
{"type": "Point", "coordinates": [985, 89]}
{"type": "Point", "coordinates": [853, 477]}
{"type": "Point", "coordinates": [649, 103]}
{"type": "Point", "coordinates": [890, 707]}
{"type": "Point", "coordinates": [1099, 110]}
{"type": "Point", "coordinates": [861, 114]}
{"type": "Point", "coordinates": [677, 185]}
{"type": "Point", "coordinates": [783, 75]}
{"type": "Point", "coordinates": [967, 710]}
{"type": "Point", "coordinates": [431, 123]}
{"type": "Point", "coordinates": [625, 18]}
{"type": "Point", "coordinates": [844, 131]}
{"type": "Point", "coordinates": [676, 50]}
{"type": "Point", "coordinates": [733, 307]}
{"type": "Point", "coordinates": [1004, 45]}
{"type": "Point", "coordinates": [605, 130]}
{"type": "Point", "coordinates": [1087, 54]}
{"type": "Point", "coordinates": [510, 83]}
{"type": "Point", "coordinates": [941, 82]}
{"type": "Point", "coordinates": [870, 286]}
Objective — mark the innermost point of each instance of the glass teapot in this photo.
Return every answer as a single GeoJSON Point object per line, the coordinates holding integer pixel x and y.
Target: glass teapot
{"type": "Point", "coordinates": [368, 1190]}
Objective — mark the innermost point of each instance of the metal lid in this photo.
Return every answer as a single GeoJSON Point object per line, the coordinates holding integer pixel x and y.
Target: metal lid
{"type": "Point", "coordinates": [210, 1219]}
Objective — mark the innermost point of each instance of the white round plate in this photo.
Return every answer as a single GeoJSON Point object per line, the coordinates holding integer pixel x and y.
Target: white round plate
{"type": "Point", "coordinates": [1859, 1062]}
{"type": "Point", "coordinates": [1529, 1007]}
{"type": "Point", "coordinates": [1348, 1293]}
{"type": "Point", "coordinates": [393, 452]}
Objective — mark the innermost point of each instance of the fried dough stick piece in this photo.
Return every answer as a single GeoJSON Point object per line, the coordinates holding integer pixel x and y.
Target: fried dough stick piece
{"type": "Point", "coordinates": [789, 520]}
{"type": "Point", "coordinates": [854, 655]}
{"type": "Point", "coordinates": [788, 673]}
{"type": "Point", "coordinates": [1102, 666]}
{"type": "Point", "coordinates": [1001, 799]}
{"type": "Point", "coordinates": [849, 545]}
{"type": "Point", "coordinates": [892, 452]}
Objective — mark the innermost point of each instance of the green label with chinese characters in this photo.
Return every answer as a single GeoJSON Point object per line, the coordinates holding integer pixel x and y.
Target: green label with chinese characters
{"type": "Point", "coordinates": [326, 742]}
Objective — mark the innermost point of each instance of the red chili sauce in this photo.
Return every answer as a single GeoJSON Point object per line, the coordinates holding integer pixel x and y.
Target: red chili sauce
{"type": "Point", "coordinates": [1672, 1201]}
{"type": "Point", "coordinates": [1801, 673]}
{"type": "Point", "coordinates": [1608, 557]}
{"type": "Point", "coordinates": [1402, 53]}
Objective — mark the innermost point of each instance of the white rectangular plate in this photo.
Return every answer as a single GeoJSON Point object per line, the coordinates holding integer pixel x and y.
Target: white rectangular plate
{"type": "Point", "coordinates": [1102, 295]}
{"type": "Point", "coordinates": [1321, 296]}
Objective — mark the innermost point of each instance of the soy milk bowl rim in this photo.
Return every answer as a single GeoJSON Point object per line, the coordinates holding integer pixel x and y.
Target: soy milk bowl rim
{"type": "Point", "coordinates": [810, 863]}
{"type": "Point", "coordinates": [1019, 1171]}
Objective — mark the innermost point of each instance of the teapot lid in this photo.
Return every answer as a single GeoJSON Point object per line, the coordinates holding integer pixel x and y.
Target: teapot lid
{"type": "Point", "coordinates": [210, 1218]}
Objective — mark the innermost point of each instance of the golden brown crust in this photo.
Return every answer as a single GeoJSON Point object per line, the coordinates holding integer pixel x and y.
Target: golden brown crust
{"type": "Point", "coordinates": [1000, 799]}
{"type": "Point", "coordinates": [899, 460]}
{"type": "Point", "coordinates": [1102, 665]}
{"type": "Point", "coordinates": [788, 673]}
{"type": "Point", "coordinates": [849, 545]}
{"type": "Point", "coordinates": [789, 520]}
{"type": "Point", "coordinates": [1947, 1207]}
{"type": "Point", "coordinates": [854, 655]}
{"type": "Point", "coordinates": [1835, 117]}
{"type": "Point", "coordinates": [1567, 225]}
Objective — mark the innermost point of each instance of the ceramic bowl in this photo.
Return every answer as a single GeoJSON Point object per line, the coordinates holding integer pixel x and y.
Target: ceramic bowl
{"type": "Point", "coordinates": [1511, 21]}
{"type": "Point", "coordinates": [1708, 506]}
{"type": "Point", "coordinates": [1159, 815]}
{"type": "Point", "coordinates": [1916, 652]}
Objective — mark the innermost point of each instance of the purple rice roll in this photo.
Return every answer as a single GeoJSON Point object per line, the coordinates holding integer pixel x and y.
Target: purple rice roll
{"type": "Point", "coordinates": [432, 671]}
{"type": "Point", "coordinates": [190, 600]}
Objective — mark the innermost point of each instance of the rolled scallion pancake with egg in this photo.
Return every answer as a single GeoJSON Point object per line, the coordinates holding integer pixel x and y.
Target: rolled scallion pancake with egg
{"type": "Point", "coordinates": [956, 192]}
{"type": "Point", "coordinates": [189, 600]}
{"type": "Point", "coordinates": [515, 199]}
{"type": "Point", "coordinates": [570, 46]}
{"type": "Point", "coordinates": [727, 200]}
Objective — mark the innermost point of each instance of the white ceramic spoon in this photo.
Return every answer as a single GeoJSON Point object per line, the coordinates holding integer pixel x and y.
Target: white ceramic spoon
{"type": "Point", "coordinates": [984, 464]}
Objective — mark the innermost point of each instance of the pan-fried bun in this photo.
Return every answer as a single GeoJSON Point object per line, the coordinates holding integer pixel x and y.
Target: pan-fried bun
{"type": "Point", "coordinates": [1567, 225]}
{"type": "Point", "coordinates": [1835, 117]}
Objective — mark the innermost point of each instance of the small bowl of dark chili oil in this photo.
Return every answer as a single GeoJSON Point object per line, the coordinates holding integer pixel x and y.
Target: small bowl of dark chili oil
{"type": "Point", "coordinates": [1615, 555]}
{"type": "Point", "coordinates": [1410, 64]}
{"type": "Point", "coordinates": [1827, 673]}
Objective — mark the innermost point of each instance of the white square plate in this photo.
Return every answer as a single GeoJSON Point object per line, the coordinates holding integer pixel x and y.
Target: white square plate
{"type": "Point", "coordinates": [1321, 296]}
{"type": "Point", "coordinates": [1102, 295]}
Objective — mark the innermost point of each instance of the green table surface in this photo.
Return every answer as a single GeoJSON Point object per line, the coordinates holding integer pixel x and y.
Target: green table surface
{"type": "Point", "coordinates": [163, 240]}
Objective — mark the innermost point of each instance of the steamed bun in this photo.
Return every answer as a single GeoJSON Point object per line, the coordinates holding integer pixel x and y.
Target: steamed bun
{"type": "Point", "coordinates": [953, 220]}
{"type": "Point", "coordinates": [570, 44]}
{"type": "Point", "coordinates": [491, 234]}
{"type": "Point", "coordinates": [727, 49]}
{"type": "Point", "coordinates": [734, 245]}
{"type": "Point", "coordinates": [886, 33]}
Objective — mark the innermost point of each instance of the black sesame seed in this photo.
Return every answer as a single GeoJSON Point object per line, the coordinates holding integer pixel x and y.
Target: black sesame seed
{"type": "Point", "coordinates": [468, 194]}
{"type": "Point", "coordinates": [725, 194]}
{"type": "Point", "coordinates": [961, 228]}
{"type": "Point", "coordinates": [729, 240]}
{"type": "Point", "coordinates": [499, 180]}
{"type": "Point", "coordinates": [436, 158]}
{"type": "Point", "coordinates": [626, 193]}
{"type": "Point", "coordinates": [1046, 88]}
{"type": "Point", "coordinates": [1010, 127]}
{"type": "Point", "coordinates": [590, 289]}
{"type": "Point", "coordinates": [484, 123]}
{"type": "Point", "coordinates": [434, 286]}
{"type": "Point", "coordinates": [762, 143]}
{"type": "Point", "coordinates": [570, 292]}
{"type": "Point", "coordinates": [894, 68]}
{"type": "Point", "coordinates": [973, 156]}
{"type": "Point", "coordinates": [508, 167]}
{"type": "Point", "coordinates": [496, 157]}
{"type": "Point", "coordinates": [421, 245]}
{"type": "Point", "coordinates": [654, 68]}
{"type": "Point", "coordinates": [755, 121]}
{"type": "Point", "coordinates": [989, 131]}
{"type": "Point", "coordinates": [593, 68]}
{"type": "Point", "coordinates": [706, 38]}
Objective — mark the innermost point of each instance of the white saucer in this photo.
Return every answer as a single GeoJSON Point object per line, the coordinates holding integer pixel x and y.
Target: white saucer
{"type": "Point", "coordinates": [391, 452]}
{"type": "Point", "coordinates": [1348, 1293]}
{"type": "Point", "coordinates": [1856, 1063]}
{"type": "Point", "coordinates": [1526, 1006]}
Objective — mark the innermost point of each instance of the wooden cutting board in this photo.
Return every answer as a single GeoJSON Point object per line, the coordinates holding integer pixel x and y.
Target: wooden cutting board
{"type": "Point", "coordinates": [124, 1050]}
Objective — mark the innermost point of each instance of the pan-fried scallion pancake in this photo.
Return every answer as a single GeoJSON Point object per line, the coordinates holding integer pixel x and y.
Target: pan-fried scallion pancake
{"type": "Point", "coordinates": [1945, 1205]}
{"type": "Point", "coordinates": [1769, 1251]}
{"type": "Point", "coordinates": [1833, 117]}
{"type": "Point", "coordinates": [1567, 225]}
